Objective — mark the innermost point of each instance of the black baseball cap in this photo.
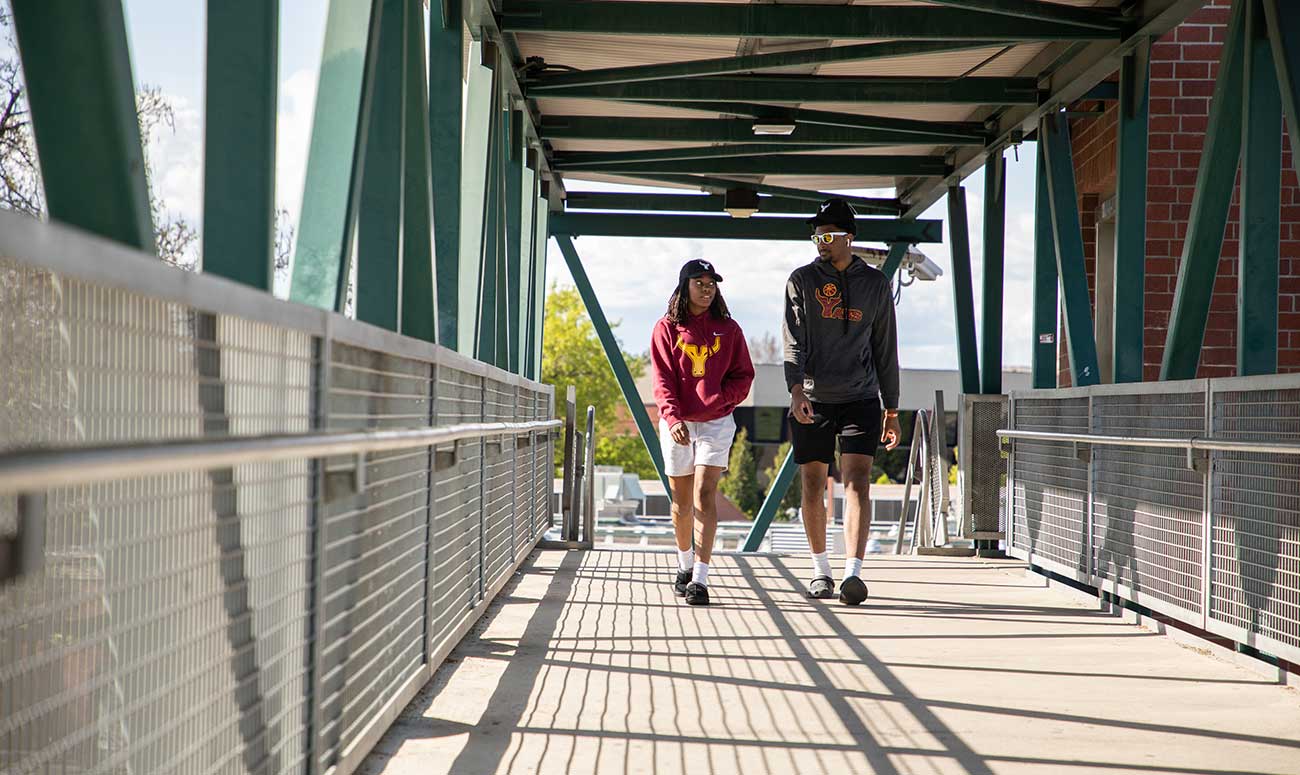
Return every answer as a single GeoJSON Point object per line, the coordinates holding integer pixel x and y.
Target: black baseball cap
{"type": "Point", "coordinates": [697, 267]}
{"type": "Point", "coordinates": [836, 212]}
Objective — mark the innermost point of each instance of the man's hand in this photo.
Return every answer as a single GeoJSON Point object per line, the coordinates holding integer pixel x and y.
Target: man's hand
{"type": "Point", "coordinates": [893, 432]}
{"type": "Point", "coordinates": [681, 434]}
{"type": "Point", "coordinates": [800, 406]}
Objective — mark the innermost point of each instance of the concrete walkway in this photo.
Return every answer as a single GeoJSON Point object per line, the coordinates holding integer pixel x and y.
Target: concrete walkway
{"type": "Point", "coordinates": [588, 663]}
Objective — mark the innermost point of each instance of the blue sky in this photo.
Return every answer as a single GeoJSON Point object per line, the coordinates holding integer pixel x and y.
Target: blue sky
{"type": "Point", "coordinates": [633, 277]}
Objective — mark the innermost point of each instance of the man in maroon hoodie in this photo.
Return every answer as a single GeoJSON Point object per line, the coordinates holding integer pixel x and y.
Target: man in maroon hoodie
{"type": "Point", "coordinates": [701, 370]}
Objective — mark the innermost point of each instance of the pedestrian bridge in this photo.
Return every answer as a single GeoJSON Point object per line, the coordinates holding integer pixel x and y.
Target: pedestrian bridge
{"type": "Point", "coordinates": [246, 535]}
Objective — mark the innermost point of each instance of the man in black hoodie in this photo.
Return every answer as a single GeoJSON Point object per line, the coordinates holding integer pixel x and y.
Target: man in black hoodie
{"type": "Point", "coordinates": [841, 367]}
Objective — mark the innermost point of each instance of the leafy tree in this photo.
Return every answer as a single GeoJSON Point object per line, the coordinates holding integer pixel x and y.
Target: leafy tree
{"type": "Point", "coordinates": [791, 499]}
{"type": "Point", "coordinates": [572, 355]}
{"type": "Point", "coordinates": [741, 482]}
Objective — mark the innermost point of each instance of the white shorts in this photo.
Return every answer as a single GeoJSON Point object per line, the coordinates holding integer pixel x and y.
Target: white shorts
{"type": "Point", "coordinates": [710, 446]}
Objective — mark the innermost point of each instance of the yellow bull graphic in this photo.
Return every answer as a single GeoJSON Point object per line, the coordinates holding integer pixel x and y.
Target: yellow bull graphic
{"type": "Point", "coordinates": [699, 353]}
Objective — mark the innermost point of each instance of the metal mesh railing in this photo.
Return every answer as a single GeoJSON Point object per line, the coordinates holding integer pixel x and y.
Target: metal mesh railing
{"type": "Point", "coordinates": [269, 613]}
{"type": "Point", "coordinates": [1144, 495]}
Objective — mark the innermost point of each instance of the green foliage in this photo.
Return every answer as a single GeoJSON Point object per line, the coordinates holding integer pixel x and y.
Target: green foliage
{"type": "Point", "coordinates": [790, 501]}
{"type": "Point", "coordinates": [741, 482]}
{"type": "Point", "coordinates": [627, 451]}
{"type": "Point", "coordinates": [572, 355]}
{"type": "Point", "coordinates": [884, 479]}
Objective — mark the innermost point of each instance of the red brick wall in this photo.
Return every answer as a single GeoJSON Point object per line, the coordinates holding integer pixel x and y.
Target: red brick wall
{"type": "Point", "coordinates": [1184, 64]}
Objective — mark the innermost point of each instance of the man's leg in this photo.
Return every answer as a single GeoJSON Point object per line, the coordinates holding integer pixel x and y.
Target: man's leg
{"type": "Point", "coordinates": [857, 523]}
{"type": "Point", "coordinates": [683, 512]}
{"type": "Point", "coordinates": [814, 504]}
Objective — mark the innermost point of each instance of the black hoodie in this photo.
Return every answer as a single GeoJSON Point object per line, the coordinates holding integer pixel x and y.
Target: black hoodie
{"type": "Point", "coordinates": [840, 342]}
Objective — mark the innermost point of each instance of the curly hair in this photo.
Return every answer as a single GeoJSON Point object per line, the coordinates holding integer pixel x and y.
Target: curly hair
{"type": "Point", "coordinates": [679, 305]}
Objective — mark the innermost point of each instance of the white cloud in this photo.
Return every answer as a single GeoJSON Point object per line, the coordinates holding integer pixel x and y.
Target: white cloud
{"type": "Point", "coordinates": [293, 137]}
{"type": "Point", "coordinates": [176, 160]}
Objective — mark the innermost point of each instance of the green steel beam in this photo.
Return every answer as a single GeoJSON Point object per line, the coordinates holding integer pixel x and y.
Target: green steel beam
{"type": "Point", "coordinates": [727, 130]}
{"type": "Point", "coordinates": [514, 202]}
{"type": "Point", "coordinates": [1045, 281]}
{"type": "Point", "coordinates": [780, 485]}
{"type": "Point", "coordinates": [937, 132]}
{"type": "Point", "coordinates": [1067, 235]}
{"type": "Point", "coordinates": [614, 353]}
{"type": "Point", "coordinates": [446, 93]}
{"type": "Point", "coordinates": [897, 252]}
{"type": "Point", "coordinates": [475, 155]}
{"type": "Point", "coordinates": [77, 65]}
{"type": "Point", "coordinates": [785, 21]}
{"type": "Point", "coordinates": [379, 221]}
{"type": "Point", "coordinates": [1261, 182]}
{"type": "Point", "coordinates": [1131, 216]}
{"type": "Point", "coordinates": [758, 62]}
{"type": "Point", "coordinates": [322, 259]}
{"type": "Point", "coordinates": [1203, 244]}
{"type": "Point", "coordinates": [820, 165]}
{"type": "Point", "coordinates": [796, 89]}
{"type": "Point", "coordinates": [419, 293]}
{"type": "Point", "coordinates": [528, 266]}
{"type": "Point", "coordinates": [721, 227]}
{"type": "Point", "coordinates": [703, 203]}
{"type": "Point", "coordinates": [644, 158]}
{"type": "Point", "coordinates": [1284, 37]}
{"type": "Point", "coordinates": [239, 141]}
{"type": "Point", "coordinates": [1050, 12]}
{"type": "Point", "coordinates": [995, 226]}
{"type": "Point", "coordinates": [962, 294]}
{"type": "Point", "coordinates": [864, 205]}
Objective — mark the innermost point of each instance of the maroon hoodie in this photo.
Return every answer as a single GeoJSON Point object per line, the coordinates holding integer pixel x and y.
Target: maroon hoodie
{"type": "Point", "coordinates": [701, 370]}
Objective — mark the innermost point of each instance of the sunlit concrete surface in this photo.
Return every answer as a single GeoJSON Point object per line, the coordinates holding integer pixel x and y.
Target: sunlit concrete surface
{"type": "Point", "coordinates": [588, 663]}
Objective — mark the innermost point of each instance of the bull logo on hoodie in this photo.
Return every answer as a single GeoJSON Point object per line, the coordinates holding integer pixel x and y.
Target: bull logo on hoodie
{"type": "Point", "coordinates": [699, 353]}
{"type": "Point", "coordinates": [828, 296]}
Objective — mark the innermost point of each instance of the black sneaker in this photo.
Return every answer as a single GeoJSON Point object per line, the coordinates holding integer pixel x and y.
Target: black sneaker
{"type": "Point", "coordinates": [822, 588]}
{"type": "Point", "coordinates": [697, 594]}
{"type": "Point", "coordinates": [852, 591]}
{"type": "Point", "coordinates": [679, 586]}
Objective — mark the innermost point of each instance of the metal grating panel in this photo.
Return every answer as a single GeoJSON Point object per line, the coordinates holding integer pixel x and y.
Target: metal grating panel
{"type": "Point", "coordinates": [1148, 504]}
{"type": "Point", "coordinates": [983, 464]}
{"type": "Point", "coordinates": [1050, 494]}
{"type": "Point", "coordinates": [1255, 576]}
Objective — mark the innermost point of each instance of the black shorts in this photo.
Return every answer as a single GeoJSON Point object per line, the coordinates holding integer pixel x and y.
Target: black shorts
{"type": "Point", "coordinates": [857, 425]}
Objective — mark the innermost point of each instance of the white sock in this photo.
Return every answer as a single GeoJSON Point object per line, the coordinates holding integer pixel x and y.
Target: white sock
{"type": "Point", "coordinates": [685, 559]}
{"type": "Point", "coordinates": [701, 576]}
{"type": "Point", "coordinates": [852, 566]}
{"type": "Point", "coordinates": [821, 565]}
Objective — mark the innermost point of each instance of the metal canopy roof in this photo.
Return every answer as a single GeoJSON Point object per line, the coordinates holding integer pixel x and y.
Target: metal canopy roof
{"type": "Point", "coordinates": [902, 95]}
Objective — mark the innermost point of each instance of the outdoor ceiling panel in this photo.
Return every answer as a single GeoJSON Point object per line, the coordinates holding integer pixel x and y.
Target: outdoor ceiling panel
{"type": "Point", "coordinates": [563, 144]}
{"type": "Point", "coordinates": [919, 111]}
{"type": "Point", "coordinates": [944, 65]}
{"type": "Point", "coordinates": [591, 52]}
{"type": "Point", "coordinates": [556, 106]}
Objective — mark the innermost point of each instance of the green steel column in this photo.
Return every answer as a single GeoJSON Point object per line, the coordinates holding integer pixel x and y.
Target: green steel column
{"type": "Point", "coordinates": [485, 332]}
{"type": "Point", "coordinates": [962, 295]}
{"type": "Point", "coordinates": [1284, 35]}
{"type": "Point", "coordinates": [419, 296]}
{"type": "Point", "coordinates": [1209, 214]}
{"type": "Point", "coordinates": [615, 355]}
{"type": "Point", "coordinates": [528, 264]}
{"type": "Point", "coordinates": [336, 157]}
{"type": "Point", "coordinates": [1045, 280]}
{"type": "Point", "coordinates": [446, 92]}
{"type": "Point", "coordinates": [897, 250]}
{"type": "Point", "coordinates": [1080, 338]}
{"type": "Point", "coordinates": [995, 227]}
{"type": "Point", "coordinates": [1261, 182]}
{"type": "Point", "coordinates": [500, 222]}
{"type": "Point", "coordinates": [539, 312]}
{"type": "Point", "coordinates": [780, 485]}
{"type": "Point", "coordinates": [1131, 215]}
{"type": "Point", "coordinates": [514, 203]}
{"type": "Point", "coordinates": [379, 221]}
{"type": "Point", "coordinates": [239, 141]}
{"type": "Point", "coordinates": [77, 66]}
{"type": "Point", "coordinates": [475, 156]}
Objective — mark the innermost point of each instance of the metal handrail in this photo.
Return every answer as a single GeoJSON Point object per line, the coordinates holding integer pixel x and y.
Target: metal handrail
{"type": "Point", "coordinates": [1194, 443]}
{"type": "Point", "coordinates": [40, 469]}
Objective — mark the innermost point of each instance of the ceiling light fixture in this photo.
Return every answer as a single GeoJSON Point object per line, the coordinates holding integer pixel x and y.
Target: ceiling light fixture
{"type": "Point", "coordinates": [783, 129]}
{"type": "Point", "coordinates": [740, 202]}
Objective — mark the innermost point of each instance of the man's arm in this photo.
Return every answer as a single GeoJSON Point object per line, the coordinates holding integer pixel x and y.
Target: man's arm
{"type": "Point", "coordinates": [884, 349]}
{"type": "Point", "coordinates": [794, 335]}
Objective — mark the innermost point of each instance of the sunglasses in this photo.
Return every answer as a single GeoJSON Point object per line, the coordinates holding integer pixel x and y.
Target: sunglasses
{"type": "Point", "coordinates": [828, 237]}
